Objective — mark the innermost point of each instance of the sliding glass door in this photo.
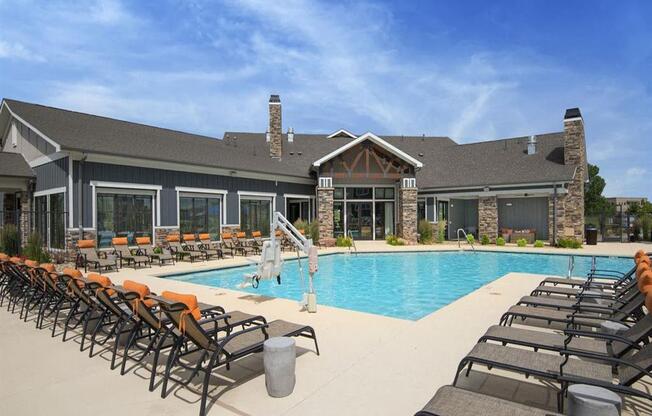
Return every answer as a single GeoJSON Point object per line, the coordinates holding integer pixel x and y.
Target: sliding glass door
{"type": "Point", "coordinates": [200, 215]}
{"type": "Point", "coordinates": [123, 215]}
{"type": "Point", "coordinates": [359, 220]}
{"type": "Point", "coordinates": [255, 215]}
{"type": "Point", "coordinates": [49, 219]}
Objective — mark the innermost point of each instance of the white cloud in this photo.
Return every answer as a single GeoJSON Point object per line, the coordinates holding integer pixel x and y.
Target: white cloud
{"type": "Point", "coordinates": [16, 50]}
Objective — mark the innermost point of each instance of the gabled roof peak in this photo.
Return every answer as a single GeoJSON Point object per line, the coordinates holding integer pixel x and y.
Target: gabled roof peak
{"type": "Point", "coordinates": [342, 133]}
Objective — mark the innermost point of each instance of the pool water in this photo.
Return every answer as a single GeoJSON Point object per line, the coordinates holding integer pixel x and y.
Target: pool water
{"type": "Point", "coordinates": [401, 285]}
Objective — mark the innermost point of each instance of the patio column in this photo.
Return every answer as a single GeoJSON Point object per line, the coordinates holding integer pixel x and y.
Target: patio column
{"type": "Point", "coordinates": [488, 217]}
{"type": "Point", "coordinates": [325, 210]}
{"type": "Point", "coordinates": [407, 211]}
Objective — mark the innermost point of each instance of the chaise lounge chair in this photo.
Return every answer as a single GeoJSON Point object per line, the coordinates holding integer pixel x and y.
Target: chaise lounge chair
{"type": "Point", "coordinates": [146, 248]}
{"type": "Point", "coordinates": [453, 401]}
{"type": "Point", "coordinates": [209, 248]}
{"type": "Point", "coordinates": [121, 247]}
{"type": "Point", "coordinates": [88, 255]}
{"type": "Point", "coordinates": [180, 251]}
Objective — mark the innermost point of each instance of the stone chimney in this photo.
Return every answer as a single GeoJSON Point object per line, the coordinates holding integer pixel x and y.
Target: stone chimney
{"type": "Point", "coordinates": [275, 129]}
{"type": "Point", "coordinates": [574, 155]}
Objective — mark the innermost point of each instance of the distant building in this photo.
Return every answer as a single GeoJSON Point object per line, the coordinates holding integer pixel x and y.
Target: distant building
{"type": "Point", "coordinates": [626, 201]}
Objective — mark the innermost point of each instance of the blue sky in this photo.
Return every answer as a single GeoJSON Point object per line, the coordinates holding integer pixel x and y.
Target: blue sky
{"type": "Point", "coordinates": [469, 70]}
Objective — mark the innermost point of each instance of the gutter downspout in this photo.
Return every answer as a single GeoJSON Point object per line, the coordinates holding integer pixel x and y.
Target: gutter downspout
{"type": "Point", "coordinates": [554, 215]}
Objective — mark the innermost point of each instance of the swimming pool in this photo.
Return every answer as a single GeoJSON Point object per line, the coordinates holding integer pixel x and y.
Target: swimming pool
{"type": "Point", "coordinates": [401, 285]}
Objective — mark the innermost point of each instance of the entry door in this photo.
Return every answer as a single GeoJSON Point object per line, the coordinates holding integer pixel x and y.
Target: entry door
{"type": "Point", "coordinates": [442, 215]}
{"type": "Point", "coordinates": [359, 220]}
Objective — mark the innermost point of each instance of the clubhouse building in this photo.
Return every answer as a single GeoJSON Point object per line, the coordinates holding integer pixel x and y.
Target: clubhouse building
{"type": "Point", "coordinates": [71, 175]}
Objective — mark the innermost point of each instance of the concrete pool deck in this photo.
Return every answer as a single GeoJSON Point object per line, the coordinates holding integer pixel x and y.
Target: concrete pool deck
{"type": "Point", "coordinates": [369, 363]}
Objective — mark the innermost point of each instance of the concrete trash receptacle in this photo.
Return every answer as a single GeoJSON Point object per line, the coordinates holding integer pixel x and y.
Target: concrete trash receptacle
{"type": "Point", "coordinates": [279, 357]}
{"type": "Point", "coordinates": [585, 400]}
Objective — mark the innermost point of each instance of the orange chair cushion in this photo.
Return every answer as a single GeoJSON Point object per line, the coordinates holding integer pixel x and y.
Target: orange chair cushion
{"type": "Point", "coordinates": [641, 268]}
{"type": "Point", "coordinates": [226, 236]}
{"type": "Point", "coordinates": [143, 240]}
{"type": "Point", "coordinates": [204, 236]}
{"type": "Point", "coordinates": [16, 260]}
{"type": "Point", "coordinates": [645, 259]}
{"type": "Point", "coordinates": [639, 254]}
{"type": "Point", "coordinates": [189, 300]}
{"type": "Point", "coordinates": [645, 279]}
{"type": "Point", "coordinates": [241, 234]}
{"type": "Point", "coordinates": [172, 238]}
{"type": "Point", "coordinates": [86, 243]}
{"type": "Point", "coordinates": [188, 237]}
{"type": "Point", "coordinates": [4, 257]}
{"type": "Point", "coordinates": [31, 263]}
{"type": "Point", "coordinates": [256, 234]}
{"type": "Point", "coordinates": [141, 289]}
{"type": "Point", "coordinates": [278, 233]}
{"type": "Point", "coordinates": [104, 281]}
{"type": "Point", "coordinates": [74, 273]}
{"type": "Point", "coordinates": [120, 241]}
{"type": "Point", "coordinates": [48, 267]}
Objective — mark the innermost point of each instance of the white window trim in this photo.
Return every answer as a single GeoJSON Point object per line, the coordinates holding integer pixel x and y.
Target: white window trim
{"type": "Point", "coordinates": [310, 198]}
{"type": "Point", "coordinates": [47, 193]}
{"type": "Point", "coordinates": [206, 193]}
{"type": "Point", "coordinates": [71, 202]}
{"type": "Point", "coordinates": [116, 187]}
{"type": "Point", "coordinates": [50, 191]}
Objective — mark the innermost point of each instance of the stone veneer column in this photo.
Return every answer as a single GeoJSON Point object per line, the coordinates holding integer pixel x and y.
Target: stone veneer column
{"type": "Point", "coordinates": [325, 212]}
{"type": "Point", "coordinates": [275, 127]}
{"type": "Point", "coordinates": [488, 217]}
{"type": "Point", "coordinates": [161, 234]}
{"type": "Point", "coordinates": [407, 214]}
{"type": "Point", "coordinates": [26, 217]}
{"type": "Point", "coordinates": [575, 155]}
{"type": "Point", "coordinates": [72, 236]}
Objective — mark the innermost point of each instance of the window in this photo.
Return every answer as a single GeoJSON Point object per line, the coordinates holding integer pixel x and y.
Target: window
{"type": "Point", "coordinates": [49, 219]}
{"type": "Point", "coordinates": [255, 215]}
{"type": "Point", "coordinates": [199, 215]}
{"type": "Point", "coordinates": [338, 193]}
{"type": "Point", "coordinates": [359, 193]}
{"type": "Point", "coordinates": [338, 219]}
{"type": "Point", "coordinates": [421, 209]}
{"type": "Point", "coordinates": [123, 215]}
{"type": "Point", "coordinates": [384, 193]}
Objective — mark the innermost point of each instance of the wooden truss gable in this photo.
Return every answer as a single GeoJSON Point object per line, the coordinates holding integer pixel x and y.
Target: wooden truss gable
{"type": "Point", "coordinates": [366, 160]}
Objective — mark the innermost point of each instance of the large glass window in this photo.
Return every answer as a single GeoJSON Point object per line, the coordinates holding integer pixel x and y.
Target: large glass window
{"type": "Point", "coordinates": [359, 193]}
{"type": "Point", "coordinates": [123, 215]}
{"type": "Point", "coordinates": [298, 209]}
{"type": "Point", "coordinates": [338, 218]}
{"type": "Point", "coordinates": [255, 215]}
{"type": "Point", "coordinates": [421, 209]}
{"type": "Point", "coordinates": [49, 219]}
{"type": "Point", "coordinates": [384, 193]}
{"type": "Point", "coordinates": [200, 215]}
{"type": "Point", "coordinates": [384, 219]}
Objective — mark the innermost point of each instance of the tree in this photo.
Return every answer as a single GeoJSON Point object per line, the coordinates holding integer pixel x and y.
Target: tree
{"type": "Point", "coordinates": [594, 202]}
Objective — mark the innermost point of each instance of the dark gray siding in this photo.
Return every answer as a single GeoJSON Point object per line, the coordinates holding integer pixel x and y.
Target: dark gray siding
{"type": "Point", "coordinates": [170, 179]}
{"type": "Point", "coordinates": [524, 213]}
{"type": "Point", "coordinates": [52, 175]}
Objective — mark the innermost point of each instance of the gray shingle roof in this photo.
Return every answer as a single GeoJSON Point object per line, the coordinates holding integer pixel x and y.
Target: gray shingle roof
{"type": "Point", "coordinates": [446, 164]}
{"type": "Point", "coordinates": [15, 165]}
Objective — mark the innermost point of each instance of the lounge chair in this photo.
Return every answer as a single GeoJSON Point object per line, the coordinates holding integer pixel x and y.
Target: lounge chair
{"type": "Point", "coordinates": [241, 244]}
{"type": "Point", "coordinates": [88, 255]}
{"type": "Point", "coordinates": [191, 245]}
{"type": "Point", "coordinates": [589, 341]}
{"type": "Point", "coordinates": [257, 243]}
{"type": "Point", "coordinates": [564, 369]}
{"type": "Point", "coordinates": [217, 352]}
{"type": "Point", "coordinates": [180, 251]}
{"type": "Point", "coordinates": [626, 314]}
{"type": "Point", "coordinates": [209, 248]}
{"type": "Point", "coordinates": [146, 248]}
{"type": "Point", "coordinates": [227, 242]}
{"type": "Point", "coordinates": [453, 401]}
{"type": "Point", "coordinates": [121, 247]}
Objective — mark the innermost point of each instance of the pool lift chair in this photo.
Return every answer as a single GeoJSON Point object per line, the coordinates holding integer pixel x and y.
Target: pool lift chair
{"type": "Point", "coordinates": [270, 264]}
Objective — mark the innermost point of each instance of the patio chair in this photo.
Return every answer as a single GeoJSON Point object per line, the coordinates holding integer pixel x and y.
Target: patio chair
{"type": "Point", "coordinates": [121, 247]}
{"type": "Point", "coordinates": [600, 343]}
{"type": "Point", "coordinates": [146, 248]}
{"type": "Point", "coordinates": [84, 309]}
{"type": "Point", "coordinates": [241, 244]}
{"type": "Point", "coordinates": [191, 245]}
{"type": "Point", "coordinates": [209, 248]}
{"type": "Point", "coordinates": [626, 314]}
{"type": "Point", "coordinates": [179, 250]}
{"type": "Point", "coordinates": [453, 401]}
{"type": "Point", "coordinates": [564, 369]}
{"type": "Point", "coordinates": [216, 351]}
{"type": "Point", "coordinates": [257, 243]}
{"type": "Point", "coordinates": [88, 255]}
{"type": "Point", "coordinates": [227, 242]}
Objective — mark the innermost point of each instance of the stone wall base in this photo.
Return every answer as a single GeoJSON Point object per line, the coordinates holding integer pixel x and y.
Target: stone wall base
{"type": "Point", "coordinates": [72, 236]}
{"type": "Point", "coordinates": [488, 217]}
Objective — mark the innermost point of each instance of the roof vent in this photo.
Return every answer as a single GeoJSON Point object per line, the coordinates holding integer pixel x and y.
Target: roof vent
{"type": "Point", "coordinates": [268, 136]}
{"type": "Point", "coordinates": [290, 135]}
{"type": "Point", "coordinates": [532, 145]}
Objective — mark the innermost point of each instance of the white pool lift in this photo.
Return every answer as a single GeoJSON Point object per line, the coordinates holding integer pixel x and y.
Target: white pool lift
{"type": "Point", "coordinates": [270, 264]}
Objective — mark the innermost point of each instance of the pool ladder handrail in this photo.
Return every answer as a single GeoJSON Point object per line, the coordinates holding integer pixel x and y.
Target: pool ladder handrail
{"type": "Point", "coordinates": [465, 237]}
{"type": "Point", "coordinates": [352, 243]}
{"type": "Point", "coordinates": [571, 266]}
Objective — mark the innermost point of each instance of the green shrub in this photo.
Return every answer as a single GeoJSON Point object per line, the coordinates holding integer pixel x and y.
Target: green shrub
{"type": "Point", "coordinates": [393, 240]}
{"type": "Point", "coordinates": [569, 243]}
{"type": "Point", "coordinates": [484, 240]}
{"type": "Point", "coordinates": [34, 249]}
{"type": "Point", "coordinates": [301, 225]}
{"type": "Point", "coordinates": [538, 244]}
{"type": "Point", "coordinates": [500, 241]}
{"type": "Point", "coordinates": [10, 240]}
{"type": "Point", "coordinates": [646, 224]}
{"type": "Point", "coordinates": [441, 231]}
{"type": "Point", "coordinates": [344, 241]}
{"type": "Point", "coordinates": [314, 231]}
{"type": "Point", "coordinates": [521, 242]}
{"type": "Point", "coordinates": [470, 238]}
{"type": "Point", "coordinates": [311, 230]}
{"type": "Point", "coordinates": [158, 250]}
{"type": "Point", "coordinates": [424, 228]}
